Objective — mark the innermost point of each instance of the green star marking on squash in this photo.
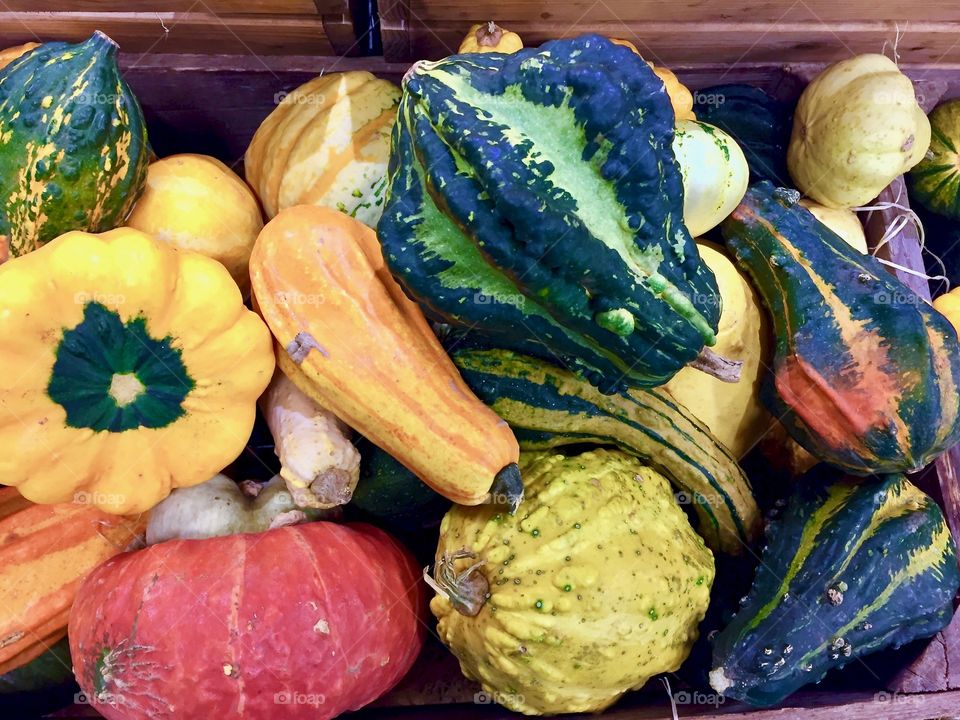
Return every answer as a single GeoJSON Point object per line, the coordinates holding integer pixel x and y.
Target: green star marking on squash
{"type": "Point", "coordinates": [110, 375]}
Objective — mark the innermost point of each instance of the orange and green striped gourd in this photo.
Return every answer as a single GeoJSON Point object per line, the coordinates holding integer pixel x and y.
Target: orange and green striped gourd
{"type": "Point", "coordinates": [865, 373]}
{"type": "Point", "coordinates": [73, 144]}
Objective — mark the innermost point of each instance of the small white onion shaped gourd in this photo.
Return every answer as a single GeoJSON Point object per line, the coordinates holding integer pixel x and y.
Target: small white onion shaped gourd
{"type": "Point", "coordinates": [220, 506]}
{"type": "Point", "coordinates": [318, 461]}
{"type": "Point", "coordinates": [857, 126]}
{"type": "Point", "coordinates": [715, 174]}
{"type": "Point", "coordinates": [597, 583]}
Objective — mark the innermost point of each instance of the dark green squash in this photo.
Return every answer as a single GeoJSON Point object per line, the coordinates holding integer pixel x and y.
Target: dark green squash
{"type": "Point", "coordinates": [392, 496]}
{"type": "Point", "coordinates": [534, 198]}
{"type": "Point", "coordinates": [759, 123]}
{"type": "Point", "coordinates": [43, 685]}
{"type": "Point", "coordinates": [865, 373]}
{"type": "Point", "coordinates": [73, 143]}
{"type": "Point", "coordinates": [850, 568]}
{"type": "Point", "coordinates": [549, 407]}
{"type": "Point", "coordinates": [934, 182]}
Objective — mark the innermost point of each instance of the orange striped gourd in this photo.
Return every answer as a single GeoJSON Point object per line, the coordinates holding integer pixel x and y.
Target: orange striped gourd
{"type": "Point", "coordinates": [45, 552]}
{"type": "Point", "coordinates": [351, 339]}
{"type": "Point", "coordinates": [326, 144]}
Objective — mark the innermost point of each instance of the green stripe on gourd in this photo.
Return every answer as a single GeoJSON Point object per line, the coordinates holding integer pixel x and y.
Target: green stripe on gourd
{"type": "Point", "coordinates": [113, 376]}
{"type": "Point", "coordinates": [850, 568]}
{"type": "Point", "coordinates": [865, 373]}
{"type": "Point", "coordinates": [935, 181]}
{"type": "Point", "coordinates": [545, 181]}
{"type": "Point", "coordinates": [549, 407]}
{"type": "Point", "coordinates": [73, 143]}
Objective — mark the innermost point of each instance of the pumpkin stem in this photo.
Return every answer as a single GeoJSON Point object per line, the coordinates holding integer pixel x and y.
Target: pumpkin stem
{"type": "Point", "coordinates": [721, 368]}
{"type": "Point", "coordinates": [489, 35]}
{"type": "Point", "coordinates": [467, 590]}
{"type": "Point", "coordinates": [507, 488]}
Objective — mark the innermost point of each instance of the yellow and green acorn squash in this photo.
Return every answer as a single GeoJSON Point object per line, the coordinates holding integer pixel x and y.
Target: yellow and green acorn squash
{"type": "Point", "coordinates": [73, 144]}
{"type": "Point", "coordinates": [127, 368]}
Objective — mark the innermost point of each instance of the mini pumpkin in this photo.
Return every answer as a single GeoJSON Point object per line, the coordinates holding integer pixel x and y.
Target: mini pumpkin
{"type": "Point", "coordinates": [680, 96]}
{"type": "Point", "coordinates": [195, 202]}
{"type": "Point", "coordinates": [127, 368]}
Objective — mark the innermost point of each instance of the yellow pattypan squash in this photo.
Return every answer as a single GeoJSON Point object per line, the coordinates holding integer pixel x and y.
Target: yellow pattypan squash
{"type": "Point", "coordinates": [490, 37]}
{"type": "Point", "coordinates": [127, 368]}
{"type": "Point", "coordinates": [680, 96]}
{"type": "Point", "coordinates": [857, 126]}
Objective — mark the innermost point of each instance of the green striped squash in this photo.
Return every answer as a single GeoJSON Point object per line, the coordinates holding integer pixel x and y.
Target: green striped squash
{"type": "Point", "coordinates": [935, 181]}
{"type": "Point", "coordinates": [73, 143]}
{"type": "Point", "coordinates": [850, 568]}
{"type": "Point", "coordinates": [865, 373]}
{"type": "Point", "coordinates": [534, 198]}
{"type": "Point", "coordinates": [549, 407]}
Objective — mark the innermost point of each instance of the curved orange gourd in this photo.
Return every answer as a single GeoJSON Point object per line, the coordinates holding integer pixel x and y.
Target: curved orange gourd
{"type": "Point", "coordinates": [45, 552]}
{"type": "Point", "coordinates": [351, 339]}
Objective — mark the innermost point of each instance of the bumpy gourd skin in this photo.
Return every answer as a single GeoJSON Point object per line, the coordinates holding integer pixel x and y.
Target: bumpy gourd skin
{"type": "Point", "coordinates": [596, 584]}
{"type": "Point", "coordinates": [73, 143]}
{"type": "Point", "coordinates": [127, 368]}
{"type": "Point", "coordinates": [850, 568]}
{"type": "Point", "coordinates": [534, 198]}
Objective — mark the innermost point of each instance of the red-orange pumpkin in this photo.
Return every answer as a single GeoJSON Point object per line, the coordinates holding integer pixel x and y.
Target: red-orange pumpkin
{"type": "Point", "coordinates": [303, 622]}
{"type": "Point", "coordinates": [45, 552]}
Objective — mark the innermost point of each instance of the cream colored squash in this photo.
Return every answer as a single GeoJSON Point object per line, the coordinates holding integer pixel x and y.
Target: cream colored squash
{"type": "Point", "coordinates": [857, 126]}
{"type": "Point", "coordinates": [843, 222]}
{"type": "Point", "coordinates": [715, 174]}
{"type": "Point", "coordinates": [732, 411]}
{"type": "Point", "coordinates": [195, 202]}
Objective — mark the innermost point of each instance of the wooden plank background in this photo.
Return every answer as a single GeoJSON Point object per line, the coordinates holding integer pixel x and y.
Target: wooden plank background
{"type": "Point", "coordinates": [689, 31]}
{"type": "Point", "coordinates": [236, 27]}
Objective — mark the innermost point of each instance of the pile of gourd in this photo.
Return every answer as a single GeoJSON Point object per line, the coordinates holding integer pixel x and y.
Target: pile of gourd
{"type": "Point", "coordinates": [542, 290]}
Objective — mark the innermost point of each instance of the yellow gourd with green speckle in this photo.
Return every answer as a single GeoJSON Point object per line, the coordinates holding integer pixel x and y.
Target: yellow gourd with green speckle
{"type": "Point", "coordinates": [595, 585]}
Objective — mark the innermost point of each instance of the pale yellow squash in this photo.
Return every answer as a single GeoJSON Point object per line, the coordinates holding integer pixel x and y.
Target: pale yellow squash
{"type": "Point", "coordinates": [195, 202]}
{"type": "Point", "coordinates": [843, 222]}
{"type": "Point", "coordinates": [732, 411]}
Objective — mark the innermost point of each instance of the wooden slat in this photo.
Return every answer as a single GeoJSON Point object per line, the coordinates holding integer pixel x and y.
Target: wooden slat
{"type": "Point", "coordinates": [743, 42]}
{"type": "Point", "coordinates": [175, 32]}
{"type": "Point", "coordinates": [215, 7]}
{"type": "Point", "coordinates": [629, 11]}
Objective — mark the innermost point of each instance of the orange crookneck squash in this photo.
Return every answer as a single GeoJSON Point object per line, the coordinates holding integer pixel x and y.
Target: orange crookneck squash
{"type": "Point", "coordinates": [349, 338]}
{"type": "Point", "coordinates": [680, 97]}
{"type": "Point", "coordinates": [127, 368]}
{"type": "Point", "coordinates": [45, 552]}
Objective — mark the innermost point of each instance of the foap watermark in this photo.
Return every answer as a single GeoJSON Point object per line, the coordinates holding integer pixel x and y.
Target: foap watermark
{"type": "Point", "coordinates": [506, 699]}
{"type": "Point", "coordinates": [100, 698]}
{"type": "Point", "coordinates": [299, 298]}
{"type": "Point", "coordinates": [83, 497]}
{"type": "Point", "coordinates": [291, 98]}
{"type": "Point", "coordinates": [695, 697]}
{"type": "Point", "coordinates": [895, 698]}
{"type": "Point", "coordinates": [289, 697]}
{"type": "Point", "coordinates": [481, 298]}
{"type": "Point", "coordinates": [109, 299]}
{"type": "Point", "coordinates": [896, 297]}
{"type": "Point", "coordinates": [686, 497]}
{"type": "Point", "coordinates": [701, 98]}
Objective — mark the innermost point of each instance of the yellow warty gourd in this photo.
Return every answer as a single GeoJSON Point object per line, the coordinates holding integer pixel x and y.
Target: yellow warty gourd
{"type": "Point", "coordinates": [596, 584]}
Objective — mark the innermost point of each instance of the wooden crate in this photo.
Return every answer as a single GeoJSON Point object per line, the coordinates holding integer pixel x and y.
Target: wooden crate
{"type": "Point", "coordinates": [203, 102]}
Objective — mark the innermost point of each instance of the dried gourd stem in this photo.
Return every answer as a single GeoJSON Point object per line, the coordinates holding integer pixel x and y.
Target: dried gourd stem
{"type": "Point", "coordinates": [489, 35]}
{"type": "Point", "coordinates": [721, 368]}
{"type": "Point", "coordinates": [467, 590]}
